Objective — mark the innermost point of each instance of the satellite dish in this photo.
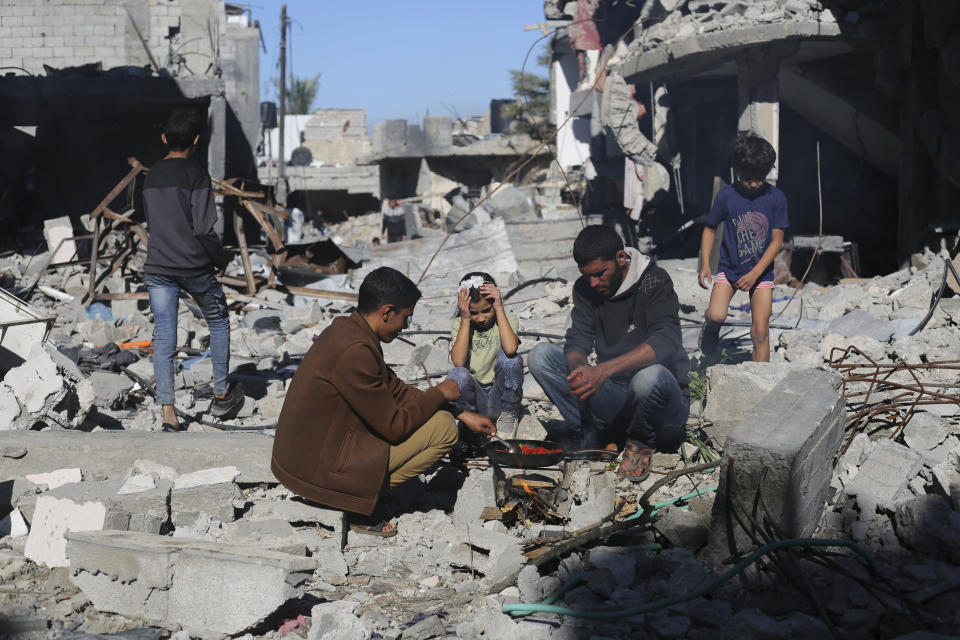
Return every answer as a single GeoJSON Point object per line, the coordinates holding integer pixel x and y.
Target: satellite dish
{"type": "Point", "coordinates": [301, 157]}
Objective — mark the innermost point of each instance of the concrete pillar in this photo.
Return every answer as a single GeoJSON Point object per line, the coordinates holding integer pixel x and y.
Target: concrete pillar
{"type": "Point", "coordinates": [787, 441]}
{"type": "Point", "coordinates": [758, 93]}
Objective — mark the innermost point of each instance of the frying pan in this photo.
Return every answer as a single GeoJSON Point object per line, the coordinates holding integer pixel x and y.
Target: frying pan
{"type": "Point", "coordinates": [500, 456]}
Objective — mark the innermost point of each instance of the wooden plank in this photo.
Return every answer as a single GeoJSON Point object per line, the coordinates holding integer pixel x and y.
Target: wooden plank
{"type": "Point", "coordinates": [93, 257]}
{"type": "Point", "coordinates": [244, 254]}
{"type": "Point", "coordinates": [267, 228]}
{"type": "Point", "coordinates": [135, 168]}
{"type": "Point", "coordinates": [276, 212]}
{"type": "Point", "coordinates": [320, 293]}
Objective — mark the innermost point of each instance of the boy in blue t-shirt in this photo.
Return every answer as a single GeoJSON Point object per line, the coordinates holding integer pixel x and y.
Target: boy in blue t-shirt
{"type": "Point", "coordinates": [756, 215]}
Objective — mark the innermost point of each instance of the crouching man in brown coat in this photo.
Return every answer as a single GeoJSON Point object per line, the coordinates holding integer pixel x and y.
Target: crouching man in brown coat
{"type": "Point", "coordinates": [349, 426]}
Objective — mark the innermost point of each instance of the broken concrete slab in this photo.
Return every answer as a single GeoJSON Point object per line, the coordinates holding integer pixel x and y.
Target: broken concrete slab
{"type": "Point", "coordinates": [733, 390]}
{"type": "Point", "coordinates": [788, 439]}
{"type": "Point", "coordinates": [52, 519]}
{"type": "Point", "coordinates": [137, 483]}
{"type": "Point", "coordinates": [274, 535]}
{"type": "Point", "coordinates": [296, 510]}
{"type": "Point", "coordinates": [58, 232]}
{"type": "Point", "coordinates": [859, 322]}
{"type": "Point", "coordinates": [924, 431]}
{"type": "Point", "coordinates": [210, 589]}
{"type": "Point", "coordinates": [337, 620]}
{"type": "Point", "coordinates": [930, 525]}
{"type": "Point", "coordinates": [595, 501]}
{"type": "Point", "coordinates": [112, 453]}
{"type": "Point", "coordinates": [54, 479]}
{"type": "Point", "coordinates": [215, 501]}
{"type": "Point", "coordinates": [109, 388]}
{"type": "Point", "coordinates": [205, 477]}
{"type": "Point", "coordinates": [883, 476]}
{"type": "Point", "coordinates": [683, 528]}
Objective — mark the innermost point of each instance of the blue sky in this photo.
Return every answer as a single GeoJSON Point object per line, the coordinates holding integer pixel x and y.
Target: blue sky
{"type": "Point", "coordinates": [402, 59]}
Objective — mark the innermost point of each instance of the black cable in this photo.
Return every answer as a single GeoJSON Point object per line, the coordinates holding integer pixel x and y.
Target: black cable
{"type": "Point", "coordinates": [526, 284]}
{"type": "Point", "coordinates": [947, 268]}
{"type": "Point", "coordinates": [434, 332]}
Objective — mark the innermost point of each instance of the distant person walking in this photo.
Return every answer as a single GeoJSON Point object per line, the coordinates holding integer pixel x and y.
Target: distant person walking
{"type": "Point", "coordinates": [756, 215]}
{"type": "Point", "coordinates": [185, 253]}
{"type": "Point", "coordinates": [394, 227]}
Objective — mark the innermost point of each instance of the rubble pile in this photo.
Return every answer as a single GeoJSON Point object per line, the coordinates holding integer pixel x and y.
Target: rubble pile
{"type": "Point", "coordinates": [107, 528]}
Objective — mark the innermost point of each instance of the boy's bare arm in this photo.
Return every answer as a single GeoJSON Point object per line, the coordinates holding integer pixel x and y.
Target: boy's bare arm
{"type": "Point", "coordinates": [706, 247]}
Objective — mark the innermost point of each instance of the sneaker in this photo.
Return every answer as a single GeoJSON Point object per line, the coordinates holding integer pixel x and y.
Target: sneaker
{"type": "Point", "coordinates": [229, 405]}
{"type": "Point", "coordinates": [507, 425]}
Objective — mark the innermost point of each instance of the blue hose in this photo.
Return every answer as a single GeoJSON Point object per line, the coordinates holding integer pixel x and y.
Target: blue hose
{"type": "Point", "coordinates": [547, 606]}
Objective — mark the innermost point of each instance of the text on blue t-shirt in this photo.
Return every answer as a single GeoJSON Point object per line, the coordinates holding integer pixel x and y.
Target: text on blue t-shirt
{"type": "Point", "coordinates": [749, 228]}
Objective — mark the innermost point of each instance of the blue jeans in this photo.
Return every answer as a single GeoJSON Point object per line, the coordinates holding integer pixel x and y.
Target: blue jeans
{"type": "Point", "coordinates": [164, 303]}
{"type": "Point", "coordinates": [648, 405]}
{"type": "Point", "coordinates": [491, 399]}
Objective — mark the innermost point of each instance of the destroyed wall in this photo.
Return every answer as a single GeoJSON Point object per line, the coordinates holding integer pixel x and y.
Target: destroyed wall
{"type": "Point", "coordinates": [873, 84]}
{"type": "Point", "coordinates": [112, 107]}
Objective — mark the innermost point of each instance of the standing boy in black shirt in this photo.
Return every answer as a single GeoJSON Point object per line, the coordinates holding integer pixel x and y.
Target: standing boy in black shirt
{"type": "Point", "coordinates": [185, 252]}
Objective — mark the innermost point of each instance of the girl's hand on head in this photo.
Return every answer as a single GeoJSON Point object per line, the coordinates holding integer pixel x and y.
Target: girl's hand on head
{"type": "Point", "coordinates": [463, 303]}
{"type": "Point", "coordinates": [492, 291]}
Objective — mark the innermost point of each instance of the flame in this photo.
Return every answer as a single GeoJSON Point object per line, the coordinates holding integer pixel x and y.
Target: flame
{"type": "Point", "coordinates": [526, 487]}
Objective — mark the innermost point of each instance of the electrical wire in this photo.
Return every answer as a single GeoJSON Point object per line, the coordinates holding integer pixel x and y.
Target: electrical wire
{"type": "Point", "coordinates": [547, 606]}
{"type": "Point", "coordinates": [947, 268]}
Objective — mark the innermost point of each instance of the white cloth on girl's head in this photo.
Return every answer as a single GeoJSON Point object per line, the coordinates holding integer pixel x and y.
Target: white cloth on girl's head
{"type": "Point", "coordinates": [473, 282]}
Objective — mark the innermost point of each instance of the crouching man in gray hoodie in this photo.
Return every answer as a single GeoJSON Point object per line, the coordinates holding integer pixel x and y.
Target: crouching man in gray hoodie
{"type": "Point", "coordinates": [625, 309]}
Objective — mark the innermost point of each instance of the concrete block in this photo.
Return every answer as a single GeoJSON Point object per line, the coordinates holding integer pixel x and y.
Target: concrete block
{"type": "Point", "coordinates": [36, 383]}
{"type": "Point", "coordinates": [296, 511]}
{"type": "Point", "coordinates": [275, 535]}
{"type": "Point", "coordinates": [111, 454]}
{"type": "Point", "coordinates": [136, 484]}
{"type": "Point", "coordinates": [595, 500]}
{"type": "Point", "coordinates": [52, 519]}
{"type": "Point", "coordinates": [54, 479]}
{"type": "Point", "coordinates": [930, 525]}
{"type": "Point", "coordinates": [337, 620]}
{"type": "Point", "coordinates": [734, 390]}
{"type": "Point", "coordinates": [210, 589]}
{"type": "Point", "coordinates": [109, 388]}
{"type": "Point", "coordinates": [216, 501]}
{"type": "Point", "coordinates": [476, 493]}
{"type": "Point", "coordinates": [205, 477]}
{"type": "Point", "coordinates": [883, 476]}
{"type": "Point", "coordinates": [793, 432]}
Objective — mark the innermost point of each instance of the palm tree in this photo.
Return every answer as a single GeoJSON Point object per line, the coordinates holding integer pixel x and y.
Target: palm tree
{"type": "Point", "coordinates": [301, 93]}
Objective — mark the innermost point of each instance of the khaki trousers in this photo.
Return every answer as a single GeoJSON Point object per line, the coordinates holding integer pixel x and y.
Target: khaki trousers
{"type": "Point", "coordinates": [425, 446]}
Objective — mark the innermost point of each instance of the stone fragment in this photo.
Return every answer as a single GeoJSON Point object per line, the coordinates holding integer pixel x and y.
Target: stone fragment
{"type": "Point", "coordinates": [947, 473]}
{"type": "Point", "coordinates": [683, 528]}
{"type": "Point", "coordinates": [209, 589]}
{"type": "Point", "coordinates": [149, 467]}
{"type": "Point", "coordinates": [216, 501]}
{"type": "Point", "coordinates": [296, 510]}
{"type": "Point", "coordinates": [735, 389]}
{"type": "Point", "coordinates": [52, 519]}
{"type": "Point", "coordinates": [924, 431]}
{"type": "Point", "coordinates": [37, 386]}
{"type": "Point", "coordinates": [330, 563]}
{"type": "Point", "coordinates": [137, 483]}
{"type": "Point", "coordinates": [13, 525]}
{"type": "Point", "coordinates": [337, 620]}
{"type": "Point", "coordinates": [623, 566]}
{"type": "Point", "coordinates": [788, 440]}
{"type": "Point", "coordinates": [596, 503]}
{"type": "Point", "coordinates": [54, 479]}
{"type": "Point", "coordinates": [205, 477]}
{"type": "Point", "coordinates": [429, 627]}
{"type": "Point", "coordinates": [531, 429]}
{"type": "Point", "coordinates": [109, 388]}
{"type": "Point", "coordinates": [929, 524]}
{"type": "Point", "coordinates": [475, 494]}
{"type": "Point", "coordinates": [275, 535]}
{"type": "Point", "coordinates": [883, 476]}
{"type": "Point", "coordinates": [859, 322]}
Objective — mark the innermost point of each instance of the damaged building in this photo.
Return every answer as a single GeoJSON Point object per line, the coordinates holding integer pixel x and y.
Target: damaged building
{"type": "Point", "coordinates": [861, 90]}
{"type": "Point", "coordinates": [815, 495]}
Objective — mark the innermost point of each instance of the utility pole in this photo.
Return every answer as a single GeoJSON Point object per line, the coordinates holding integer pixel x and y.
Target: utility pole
{"type": "Point", "coordinates": [282, 182]}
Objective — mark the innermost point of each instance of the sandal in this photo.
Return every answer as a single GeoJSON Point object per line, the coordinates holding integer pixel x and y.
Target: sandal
{"type": "Point", "coordinates": [635, 463]}
{"type": "Point", "coordinates": [368, 527]}
{"type": "Point", "coordinates": [170, 428]}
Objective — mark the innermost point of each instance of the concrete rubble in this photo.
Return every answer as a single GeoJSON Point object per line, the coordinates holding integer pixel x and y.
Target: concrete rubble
{"type": "Point", "coordinates": [109, 526]}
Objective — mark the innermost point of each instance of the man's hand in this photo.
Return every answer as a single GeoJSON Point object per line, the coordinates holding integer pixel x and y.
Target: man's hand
{"type": "Point", "coordinates": [586, 381]}
{"type": "Point", "coordinates": [463, 303]}
{"type": "Point", "coordinates": [450, 390]}
{"type": "Point", "coordinates": [492, 291]}
{"type": "Point", "coordinates": [704, 277]}
{"type": "Point", "coordinates": [477, 422]}
{"type": "Point", "coordinates": [746, 282]}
